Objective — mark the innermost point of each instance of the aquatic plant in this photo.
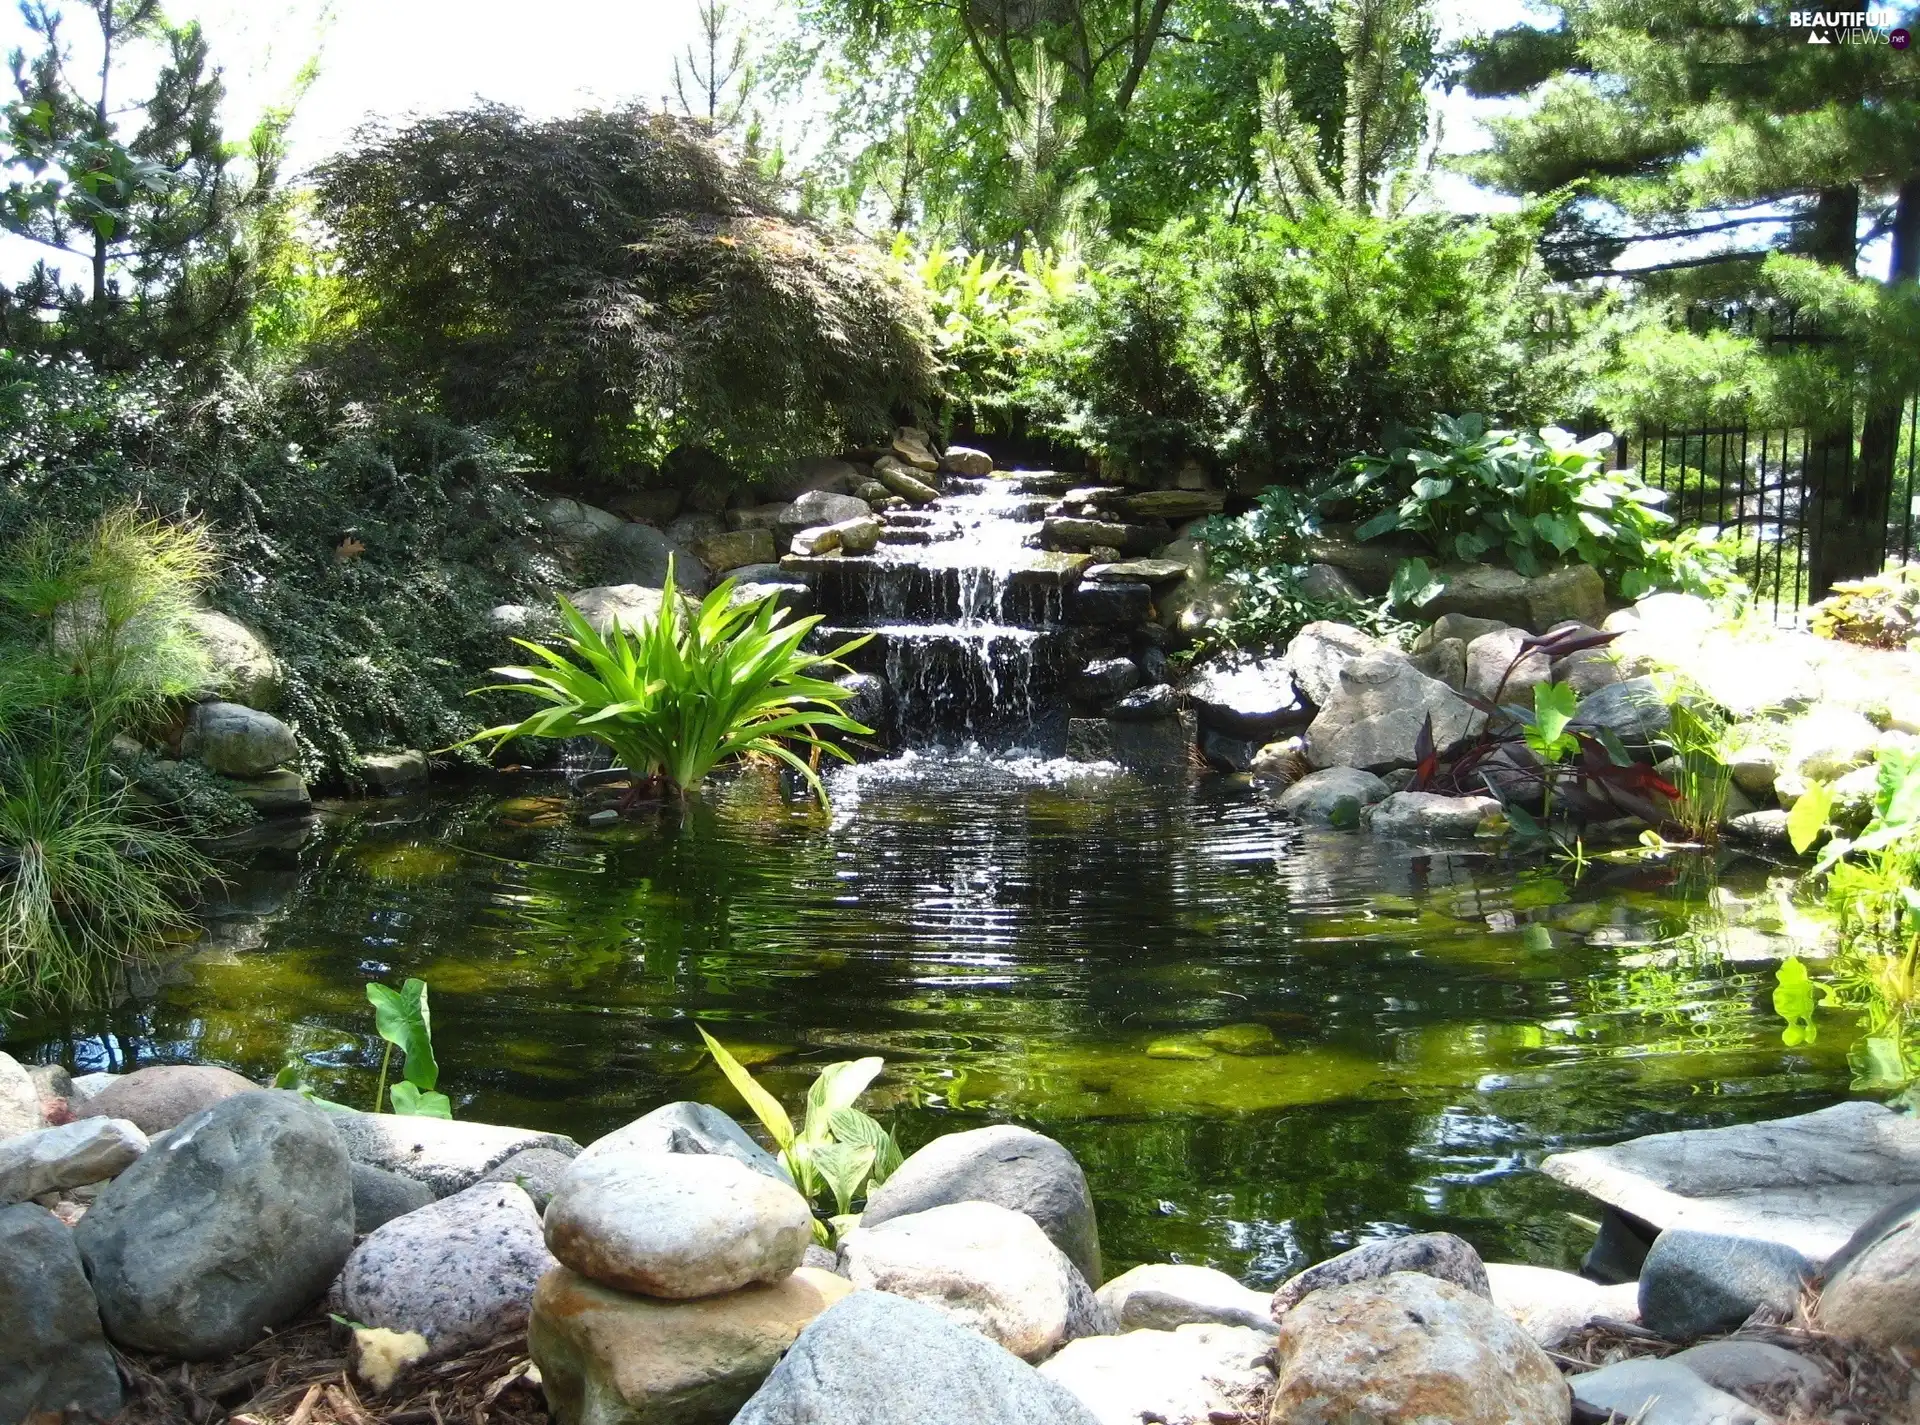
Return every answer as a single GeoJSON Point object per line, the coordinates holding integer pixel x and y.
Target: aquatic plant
{"type": "Point", "coordinates": [687, 691]}
{"type": "Point", "coordinates": [401, 1018]}
{"type": "Point", "coordinates": [836, 1149]}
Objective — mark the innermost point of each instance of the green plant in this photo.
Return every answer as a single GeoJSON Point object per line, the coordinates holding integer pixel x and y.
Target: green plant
{"type": "Point", "coordinates": [402, 1020]}
{"type": "Point", "coordinates": [1701, 736]}
{"type": "Point", "coordinates": [1545, 733]}
{"type": "Point", "coordinates": [686, 692]}
{"type": "Point", "coordinates": [836, 1149]}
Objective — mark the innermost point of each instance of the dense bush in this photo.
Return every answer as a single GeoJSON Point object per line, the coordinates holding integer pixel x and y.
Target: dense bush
{"type": "Point", "coordinates": [608, 286]}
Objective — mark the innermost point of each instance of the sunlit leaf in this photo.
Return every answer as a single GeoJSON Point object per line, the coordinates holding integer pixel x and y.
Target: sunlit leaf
{"type": "Point", "coordinates": [765, 1106]}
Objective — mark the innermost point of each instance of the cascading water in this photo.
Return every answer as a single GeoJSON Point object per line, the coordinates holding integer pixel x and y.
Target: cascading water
{"type": "Point", "coordinates": [966, 615]}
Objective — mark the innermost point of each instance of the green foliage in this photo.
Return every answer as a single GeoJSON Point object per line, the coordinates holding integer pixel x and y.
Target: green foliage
{"type": "Point", "coordinates": [609, 286]}
{"type": "Point", "coordinates": [687, 692]}
{"type": "Point", "coordinates": [1881, 612]}
{"type": "Point", "coordinates": [402, 1019]}
{"type": "Point", "coordinates": [837, 1150]}
{"type": "Point", "coordinates": [1793, 1001]}
{"type": "Point", "coordinates": [1701, 736]}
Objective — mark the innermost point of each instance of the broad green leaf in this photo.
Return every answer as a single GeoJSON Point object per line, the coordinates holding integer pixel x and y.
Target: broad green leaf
{"type": "Point", "coordinates": [1809, 816]}
{"type": "Point", "coordinates": [1556, 530]}
{"type": "Point", "coordinates": [1793, 1001]}
{"type": "Point", "coordinates": [850, 1125]}
{"type": "Point", "coordinates": [844, 1168]}
{"type": "Point", "coordinates": [839, 1085]}
{"type": "Point", "coordinates": [1878, 1064]}
{"type": "Point", "coordinates": [1414, 584]}
{"type": "Point", "coordinates": [403, 1020]}
{"type": "Point", "coordinates": [419, 1103]}
{"type": "Point", "coordinates": [1554, 706]}
{"type": "Point", "coordinates": [1380, 524]}
{"type": "Point", "coordinates": [765, 1106]}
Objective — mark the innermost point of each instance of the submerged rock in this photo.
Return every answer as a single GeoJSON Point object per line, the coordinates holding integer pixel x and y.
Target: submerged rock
{"type": "Point", "coordinates": [53, 1355]}
{"type": "Point", "coordinates": [1440, 1255]}
{"type": "Point", "coordinates": [1333, 795]}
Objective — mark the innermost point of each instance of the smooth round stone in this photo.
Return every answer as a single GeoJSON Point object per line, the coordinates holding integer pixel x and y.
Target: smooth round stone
{"type": "Point", "coordinates": [676, 1225]}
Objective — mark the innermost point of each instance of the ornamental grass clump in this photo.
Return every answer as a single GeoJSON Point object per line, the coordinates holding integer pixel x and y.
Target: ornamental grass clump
{"type": "Point", "coordinates": [687, 691]}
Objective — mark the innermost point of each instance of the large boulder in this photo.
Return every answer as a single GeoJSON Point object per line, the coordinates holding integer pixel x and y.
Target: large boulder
{"type": "Point", "coordinates": [157, 1098]}
{"type": "Point", "coordinates": [1575, 594]}
{"type": "Point", "coordinates": [236, 1223]}
{"type": "Point", "coordinates": [610, 1358]}
{"type": "Point", "coordinates": [1373, 718]}
{"type": "Point", "coordinates": [236, 740]}
{"type": "Point", "coordinates": [733, 549]}
{"type": "Point", "coordinates": [965, 460]}
{"type": "Point", "coordinates": [1162, 1296]}
{"type": "Point", "coordinates": [240, 666]}
{"type": "Point", "coordinates": [1632, 710]}
{"type": "Point", "coordinates": [676, 1225]}
{"type": "Point", "coordinates": [873, 1357]}
{"type": "Point", "coordinates": [1552, 1305]}
{"type": "Point", "coordinates": [1701, 1283]}
{"type": "Point", "coordinates": [53, 1355]}
{"type": "Point", "coordinates": [1014, 1167]}
{"type": "Point", "coordinates": [1247, 697]}
{"type": "Point", "coordinates": [639, 554]}
{"type": "Point", "coordinates": [818, 509]}
{"type": "Point", "coordinates": [448, 1155]}
{"type": "Point", "coordinates": [69, 1155]}
{"type": "Point", "coordinates": [1440, 1255]}
{"type": "Point", "coordinates": [1429, 816]}
{"type": "Point", "coordinates": [1874, 1293]}
{"type": "Point", "coordinates": [575, 522]}
{"type": "Point", "coordinates": [633, 606]}
{"type": "Point", "coordinates": [1410, 1347]}
{"type": "Point", "coordinates": [1192, 1375]}
{"type": "Point", "coordinates": [687, 1127]}
{"type": "Point", "coordinates": [1333, 794]}
{"type": "Point", "coordinates": [1317, 654]}
{"type": "Point", "coordinates": [1500, 663]}
{"type": "Point", "coordinates": [989, 1267]}
{"type": "Point", "coordinates": [460, 1271]}
{"type": "Point", "coordinates": [19, 1100]}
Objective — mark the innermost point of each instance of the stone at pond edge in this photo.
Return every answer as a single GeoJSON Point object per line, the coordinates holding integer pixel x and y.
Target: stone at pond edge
{"type": "Point", "coordinates": [1552, 1305]}
{"type": "Point", "coordinates": [537, 1171]}
{"type": "Point", "coordinates": [638, 555]}
{"type": "Point", "coordinates": [1373, 718]}
{"type": "Point", "coordinates": [1247, 697]}
{"type": "Point", "coordinates": [394, 772]}
{"type": "Point", "coordinates": [610, 1358]}
{"type": "Point", "coordinates": [965, 460]}
{"type": "Point", "coordinates": [1697, 1283]}
{"type": "Point", "coordinates": [989, 1267]}
{"type": "Point", "coordinates": [1192, 1375]}
{"type": "Point", "coordinates": [19, 1100]}
{"type": "Point", "coordinates": [1575, 593]}
{"type": "Point", "coordinates": [874, 1358]}
{"type": "Point", "coordinates": [281, 793]}
{"type": "Point", "coordinates": [1098, 605]}
{"type": "Point", "coordinates": [1440, 1255]}
{"type": "Point", "coordinates": [1632, 710]}
{"type": "Point", "coordinates": [1759, 1372]}
{"type": "Point", "coordinates": [160, 1097]}
{"type": "Point", "coordinates": [87, 1150]}
{"type": "Point", "coordinates": [1874, 1294]}
{"type": "Point", "coordinates": [676, 1225]}
{"type": "Point", "coordinates": [240, 666]}
{"type": "Point", "coordinates": [380, 1196]}
{"type": "Point", "coordinates": [1161, 1296]}
{"type": "Point", "coordinates": [1428, 815]}
{"type": "Point", "coordinates": [1410, 1347]}
{"type": "Point", "coordinates": [236, 740]}
{"type": "Point", "coordinates": [689, 1127]}
{"type": "Point", "coordinates": [1333, 795]}
{"type": "Point", "coordinates": [234, 1224]}
{"type": "Point", "coordinates": [448, 1155]}
{"type": "Point", "coordinates": [53, 1355]}
{"type": "Point", "coordinates": [1317, 654]}
{"type": "Point", "coordinates": [460, 1272]}
{"type": "Point", "coordinates": [1656, 1392]}
{"type": "Point", "coordinates": [1005, 1164]}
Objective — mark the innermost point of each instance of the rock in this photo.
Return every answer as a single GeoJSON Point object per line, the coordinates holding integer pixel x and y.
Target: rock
{"type": "Point", "coordinates": [694, 526]}
{"type": "Point", "coordinates": [1445, 660]}
{"type": "Point", "coordinates": [1589, 670]}
{"type": "Point", "coordinates": [393, 772]}
{"type": "Point", "coordinates": [1332, 795]}
{"type": "Point", "coordinates": [460, 1272]}
{"type": "Point", "coordinates": [1754, 769]}
{"type": "Point", "coordinates": [857, 536]}
{"type": "Point", "coordinates": [448, 1155]}
{"type": "Point", "coordinates": [1656, 1392]}
{"type": "Point", "coordinates": [19, 1100]}
{"type": "Point", "coordinates": [233, 1225]}
{"type": "Point", "coordinates": [237, 740]}
{"type": "Point", "coordinates": [608, 1358]}
{"type": "Point", "coordinates": [1749, 678]}
{"type": "Point", "coordinates": [1440, 1255]}
{"type": "Point", "coordinates": [640, 554]}
{"type": "Point", "coordinates": [1873, 1292]}
{"type": "Point", "coordinates": [1189, 1376]}
{"type": "Point", "coordinates": [1551, 1306]}
{"type": "Point", "coordinates": [1163, 745]}
{"type": "Point", "coordinates": [1104, 679]}
{"type": "Point", "coordinates": [1463, 627]}
{"type": "Point", "coordinates": [1226, 753]}
{"type": "Point", "coordinates": [1632, 710]}
{"type": "Point", "coordinates": [633, 606]}
{"type": "Point", "coordinates": [274, 793]}
{"type": "Point", "coordinates": [535, 1171]}
{"type": "Point", "coordinates": [1247, 697]}
{"type": "Point", "coordinates": [84, 1151]}
{"type": "Point", "coordinates": [868, 705]}
{"type": "Point", "coordinates": [965, 460]}
{"type": "Point", "coordinates": [1762, 828]}
{"type": "Point", "coordinates": [1830, 742]}
{"type": "Point", "coordinates": [1374, 716]}
{"type": "Point", "coordinates": [50, 1081]}
{"type": "Point", "coordinates": [989, 1267]}
{"type": "Point", "coordinates": [1807, 1181]}
{"type": "Point", "coordinates": [811, 543]}
{"type": "Point", "coordinates": [902, 480]}
{"type": "Point", "coordinates": [53, 1355]}
{"type": "Point", "coordinates": [380, 1196]}
{"type": "Point", "coordinates": [157, 1099]}
{"type": "Point", "coordinates": [817, 509]}
{"type": "Point", "coordinates": [724, 552]}
{"type": "Point", "coordinates": [240, 666]}
{"type": "Point", "coordinates": [846, 1368]}
{"type": "Point", "coordinates": [1417, 816]}
{"type": "Point", "coordinates": [820, 472]}
{"type": "Point", "coordinates": [1317, 654]}
{"type": "Point", "coordinates": [1068, 532]}
{"type": "Point", "coordinates": [656, 506]}
{"type": "Point", "coordinates": [577, 523]}
{"type": "Point", "coordinates": [1575, 593]}
{"type": "Point", "coordinates": [1410, 1347]}
{"type": "Point", "coordinates": [769, 516]}
{"type": "Point", "coordinates": [1154, 572]}
{"type": "Point", "coordinates": [1109, 604]}
{"type": "Point", "coordinates": [1678, 613]}
{"type": "Point", "coordinates": [1014, 1167]}
{"type": "Point", "coordinates": [1330, 585]}
{"type": "Point", "coordinates": [676, 1225]}
{"type": "Point", "coordinates": [88, 1086]}
{"type": "Point", "coordinates": [911, 446]}
{"type": "Point", "coordinates": [1175, 504]}
{"type": "Point", "coordinates": [1154, 703]}
{"type": "Point", "coordinates": [1694, 1284]}
{"type": "Point", "coordinates": [1755, 1370]}
{"type": "Point", "coordinates": [1492, 655]}
{"type": "Point", "coordinates": [688, 1127]}
{"type": "Point", "coordinates": [1163, 1296]}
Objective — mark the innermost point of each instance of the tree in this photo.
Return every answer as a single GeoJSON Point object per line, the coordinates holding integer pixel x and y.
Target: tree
{"type": "Point", "coordinates": [149, 195]}
{"type": "Point", "coordinates": [609, 286]}
{"type": "Point", "coordinates": [1713, 121]}
{"type": "Point", "coordinates": [713, 84]}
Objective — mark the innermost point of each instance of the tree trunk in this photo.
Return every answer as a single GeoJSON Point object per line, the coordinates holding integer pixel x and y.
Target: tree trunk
{"type": "Point", "coordinates": [1843, 537]}
{"type": "Point", "coordinates": [1880, 433]}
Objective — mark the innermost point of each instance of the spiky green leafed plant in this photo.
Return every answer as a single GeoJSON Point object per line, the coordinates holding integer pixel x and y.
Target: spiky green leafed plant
{"type": "Point", "coordinates": [687, 691]}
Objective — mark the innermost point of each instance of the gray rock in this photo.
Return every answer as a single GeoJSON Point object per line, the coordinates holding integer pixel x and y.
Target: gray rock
{"type": "Point", "coordinates": [240, 666]}
{"type": "Point", "coordinates": [639, 554]}
{"type": "Point", "coordinates": [1463, 627]}
{"type": "Point", "coordinates": [767, 516]}
{"type": "Point", "coordinates": [237, 740]}
{"type": "Point", "coordinates": [1445, 660]}
{"type": "Point", "coordinates": [1163, 1296]}
{"type": "Point", "coordinates": [1104, 679]}
{"type": "Point", "coordinates": [460, 1271]}
{"type": "Point", "coordinates": [1589, 670]}
{"type": "Point", "coordinates": [1247, 697]}
{"type": "Point", "coordinates": [275, 793]}
{"type": "Point", "coordinates": [821, 472]}
{"type": "Point", "coordinates": [577, 522]}
{"type": "Point", "coordinates": [1829, 743]}
{"type": "Point", "coordinates": [1324, 797]}
{"type": "Point", "coordinates": [1756, 1371]}
{"type": "Point", "coordinates": [84, 1151]}
{"type": "Point", "coordinates": [536, 1171]}
{"type": "Point", "coordinates": [1421, 816]}
{"type": "Point", "coordinates": [868, 705]}
{"type": "Point", "coordinates": [1655, 1392]}
{"type": "Point", "coordinates": [1436, 1254]}
{"type": "Point", "coordinates": [1191, 1375]}
{"type": "Point", "coordinates": [234, 1224]}
{"type": "Point", "coordinates": [51, 1081]}
{"type": "Point", "coordinates": [157, 1099]}
{"type": "Point", "coordinates": [1329, 584]}
{"type": "Point", "coordinates": [1754, 770]}
{"type": "Point", "coordinates": [1492, 655]}
{"type": "Point", "coordinates": [448, 1155]}
{"type": "Point", "coordinates": [1109, 604]}
{"type": "Point", "coordinates": [19, 1100]}
{"type": "Point", "coordinates": [86, 1086]}
{"type": "Point", "coordinates": [1551, 1305]}
{"type": "Point", "coordinates": [818, 509]}
{"type": "Point", "coordinates": [1154, 703]}
{"type": "Point", "coordinates": [1318, 653]}
{"type": "Point", "coordinates": [1632, 710]}
{"type": "Point", "coordinates": [1696, 1283]}
{"type": "Point", "coordinates": [904, 480]}
{"type": "Point", "coordinates": [1573, 594]}
{"type": "Point", "coordinates": [965, 460]}
{"type": "Point", "coordinates": [1163, 744]}
{"type": "Point", "coordinates": [1873, 1287]}
{"type": "Point", "coordinates": [380, 1196]}
{"type": "Point", "coordinates": [53, 1355]}
{"type": "Point", "coordinates": [846, 1368]}
{"type": "Point", "coordinates": [1157, 572]}
{"type": "Point", "coordinates": [688, 1127]}
{"type": "Point", "coordinates": [857, 536]}
{"type": "Point", "coordinates": [632, 606]}
{"type": "Point", "coordinates": [1374, 717]}
{"type": "Point", "coordinates": [1005, 1164]}
{"type": "Point", "coordinates": [1227, 752]}
{"type": "Point", "coordinates": [394, 772]}
{"type": "Point", "coordinates": [689, 528]}
{"type": "Point", "coordinates": [1762, 828]}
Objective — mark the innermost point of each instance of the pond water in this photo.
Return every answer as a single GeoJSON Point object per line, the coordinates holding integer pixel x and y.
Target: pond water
{"type": "Point", "coordinates": [1263, 1043]}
